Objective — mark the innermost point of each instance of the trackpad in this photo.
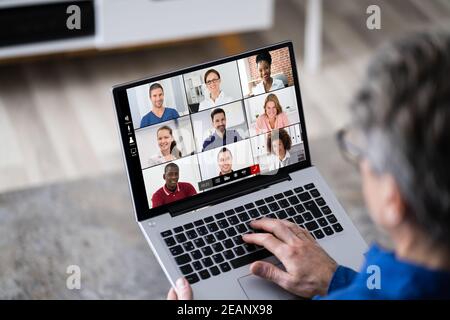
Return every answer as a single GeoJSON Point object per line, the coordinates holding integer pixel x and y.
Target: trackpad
{"type": "Point", "coordinates": [257, 288]}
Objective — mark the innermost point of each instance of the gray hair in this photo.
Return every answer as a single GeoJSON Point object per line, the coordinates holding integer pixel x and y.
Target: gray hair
{"type": "Point", "coordinates": [403, 109]}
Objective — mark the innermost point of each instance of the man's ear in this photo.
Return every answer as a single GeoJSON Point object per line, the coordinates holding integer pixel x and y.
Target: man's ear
{"type": "Point", "coordinates": [394, 206]}
{"type": "Point", "coordinates": [164, 176]}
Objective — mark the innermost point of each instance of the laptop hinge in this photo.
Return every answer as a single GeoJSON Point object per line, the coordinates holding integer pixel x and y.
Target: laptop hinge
{"type": "Point", "coordinates": [228, 194]}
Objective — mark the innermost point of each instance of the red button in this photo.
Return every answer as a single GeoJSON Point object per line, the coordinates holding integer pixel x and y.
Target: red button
{"type": "Point", "coordinates": [254, 169]}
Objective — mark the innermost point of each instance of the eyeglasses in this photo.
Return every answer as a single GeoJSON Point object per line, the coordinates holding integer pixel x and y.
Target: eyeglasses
{"type": "Point", "coordinates": [209, 82]}
{"type": "Point", "coordinates": [351, 143]}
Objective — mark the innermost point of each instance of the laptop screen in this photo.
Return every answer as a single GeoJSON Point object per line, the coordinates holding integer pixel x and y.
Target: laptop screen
{"type": "Point", "coordinates": [215, 125]}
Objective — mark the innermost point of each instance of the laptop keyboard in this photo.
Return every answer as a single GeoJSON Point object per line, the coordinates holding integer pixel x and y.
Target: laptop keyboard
{"type": "Point", "coordinates": [213, 245]}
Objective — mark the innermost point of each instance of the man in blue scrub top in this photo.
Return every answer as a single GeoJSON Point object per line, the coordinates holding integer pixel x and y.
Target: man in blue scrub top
{"type": "Point", "coordinates": [159, 113]}
{"type": "Point", "coordinates": [399, 137]}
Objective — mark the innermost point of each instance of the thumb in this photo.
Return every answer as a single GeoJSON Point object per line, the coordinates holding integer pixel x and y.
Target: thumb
{"type": "Point", "coordinates": [270, 272]}
{"type": "Point", "coordinates": [184, 290]}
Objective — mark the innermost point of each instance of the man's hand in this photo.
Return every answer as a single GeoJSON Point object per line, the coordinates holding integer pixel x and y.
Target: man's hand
{"type": "Point", "coordinates": [182, 292]}
{"type": "Point", "coordinates": [309, 269]}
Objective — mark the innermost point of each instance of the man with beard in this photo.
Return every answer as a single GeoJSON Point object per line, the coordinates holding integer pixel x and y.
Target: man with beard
{"type": "Point", "coordinates": [159, 113]}
{"type": "Point", "coordinates": [221, 135]}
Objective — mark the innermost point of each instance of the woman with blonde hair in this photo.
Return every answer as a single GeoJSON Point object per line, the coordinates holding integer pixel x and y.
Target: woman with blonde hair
{"type": "Point", "coordinates": [273, 117]}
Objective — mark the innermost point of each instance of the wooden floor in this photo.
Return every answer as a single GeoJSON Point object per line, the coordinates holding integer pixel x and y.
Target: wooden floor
{"type": "Point", "coordinates": [56, 116]}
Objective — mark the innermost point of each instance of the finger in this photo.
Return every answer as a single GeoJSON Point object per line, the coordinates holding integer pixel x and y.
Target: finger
{"type": "Point", "coordinates": [276, 227]}
{"type": "Point", "coordinates": [267, 241]}
{"type": "Point", "coordinates": [301, 233]}
{"type": "Point", "coordinates": [172, 295]}
{"type": "Point", "coordinates": [183, 289]}
{"type": "Point", "coordinates": [270, 272]}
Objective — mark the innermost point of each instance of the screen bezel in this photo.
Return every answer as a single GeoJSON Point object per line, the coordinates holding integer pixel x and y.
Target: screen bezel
{"type": "Point", "coordinates": [133, 165]}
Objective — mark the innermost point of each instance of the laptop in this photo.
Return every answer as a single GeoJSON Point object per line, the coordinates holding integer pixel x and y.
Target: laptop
{"type": "Point", "coordinates": [210, 148]}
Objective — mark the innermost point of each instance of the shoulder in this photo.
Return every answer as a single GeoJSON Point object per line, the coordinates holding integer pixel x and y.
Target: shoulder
{"type": "Point", "coordinates": [278, 83]}
{"type": "Point", "coordinates": [172, 111]}
{"type": "Point", "coordinates": [186, 186]}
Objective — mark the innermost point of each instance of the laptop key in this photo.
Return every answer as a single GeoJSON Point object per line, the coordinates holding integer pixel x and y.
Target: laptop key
{"type": "Point", "coordinates": [202, 230]}
{"type": "Point", "coordinates": [204, 274]}
{"type": "Point", "coordinates": [228, 244]}
{"type": "Point", "coordinates": [326, 210]}
{"type": "Point", "coordinates": [191, 234]}
{"type": "Point", "coordinates": [304, 196]}
{"type": "Point", "coordinates": [238, 240]}
{"type": "Point", "coordinates": [207, 262]}
{"type": "Point", "coordinates": [293, 200]}
{"type": "Point", "coordinates": [239, 251]}
{"type": "Point", "coordinates": [214, 271]}
{"type": "Point", "coordinates": [274, 206]}
{"type": "Point", "coordinates": [188, 226]}
{"type": "Point", "coordinates": [328, 231]}
{"type": "Point", "coordinates": [219, 215]}
{"type": "Point", "coordinates": [178, 229]}
{"type": "Point", "coordinates": [233, 220]}
{"type": "Point", "coordinates": [311, 206]}
{"type": "Point", "coordinates": [259, 202]}
{"type": "Point", "coordinates": [307, 216]}
{"type": "Point", "coordinates": [170, 241]}
{"type": "Point", "coordinates": [183, 259]}
{"type": "Point", "coordinates": [332, 218]}
{"type": "Point", "coordinates": [217, 247]}
{"type": "Point", "coordinates": [166, 233]}
{"type": "Point", "coordinates": [210, 239]}
{"type": "Point", "coordinates": [264, 210]}
{"type": "Point", "coordinates": [311, 226]}
{"type": "Point", "coordinates": [288, 193]}
{"type": "Point", "coordinates": [337, 227]}
{"type": "Point", "coordinates": [309, 186]}
{"type": "Point", "coordinates": [299, 219]}
{"type": "Point", "coordinates": [315, 193]}
{"type": "Point", "coordinates": [225, 267]}
{"type": "Point", "coordinates": [320, 202]}
{"type": "Point", "coordinates": [271, 216]}
{"type": "Point", "coordinates": [299, 208]}
{"type": "Point", "coordinates": [254, 213]}
{"type": "Point", "coordinates": [207, 251]}
{"type": "Point", "coordinates": [223, 224]}
{"type": "Point", "coordinates": [231, 232]}
{"type": "Point", "coordinates": [269, 199]}
{"type": "Point", "coordinates": [199, 242]}
{"type": "Point", "coordinates": [220, 235]}
{"type": "Point", "coordinates": [176, 250]}
{"type": "Point", "coordinates": [291, 212]}
{"type": "Point", "coordinates": [284, 203]}
{"type": "Point", "coordinates": [180, 237]}
{"type": "Point", "coordinates": [249, 205]}
{"type": "Point", "coordinates": [229, 212]}
{"type": "Point", "coordinates": [239, 209]}
{"type": "Point", "coordinates": [197, 255]}
{"type": "Point", "coordinates": [209, 219]}
{"type": "Point", "coordinates": [281, 214]}
{"type": "Point", "coordinates": [322, 222]}
{"type": "Point", "coordinates": [228, 254]}
{"type": "Point", "coordinates": [192, 278]}
{"type": "Point", "coordinates": [188, 246]}
{"type": "Point", "coordinates": [249, 258]}
{"type": "Point", "coordinates": [199, 223]}
{"type": "Point", "coordinates": [279, 196]}
{"type": "Point", "coordinates": [241, 228]}
{"type": "Point", "coordinates": [197, 265]}
{"type": "Point", "coordinates": [298, 189]}
{"type": "Point", "coordinates": [319, 234]}
{"type": "Point", "coordinates": [243, 216]}
{"type": "Point", "coordinates": [218, 258]}
{"type": "Point", "coordinates": [249, 247]}
{"type": "Point", "coordinates": [212, 227]}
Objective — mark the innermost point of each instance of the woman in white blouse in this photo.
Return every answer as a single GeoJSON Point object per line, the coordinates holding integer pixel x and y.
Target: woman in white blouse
{"type": "Point", "coordinates": [264, 64]}
{"type": "Point", "coordinates": [168, 150]}
{"type": "Point", "coordinates": [216, 96]}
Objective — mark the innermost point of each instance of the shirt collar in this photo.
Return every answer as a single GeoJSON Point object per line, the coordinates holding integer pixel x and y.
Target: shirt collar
{"type": "Point", "coordinates": [168, 192]}
{"type": "Point", "coordinates": [287, 155]}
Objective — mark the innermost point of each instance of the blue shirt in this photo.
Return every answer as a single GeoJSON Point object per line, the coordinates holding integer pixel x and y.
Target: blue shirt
{"type": "Point", "coordinates": [214, 141]}
{"type": "Point", "coordinates": [398, 280]}
{"type": "Point", "coordinates": [150, 118]}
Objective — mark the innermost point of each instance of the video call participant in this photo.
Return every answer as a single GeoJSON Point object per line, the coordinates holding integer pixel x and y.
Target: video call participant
{"type": "Point", "coordinates": [216, 95]}
{"type": "Point", "coordinates": [264, 64]}
{"type": "Point", "coordinates": [172, 190]}
{"type": "Point", "coordinates": [225, 161]}
{"type": "Point", "coordinates": [159, 113]}
{"type": "Point", "coordinates": [168, 150]}
{"type": "Point", "coordinates": [279, 144]}
{"type": "Point", "coordinates": [221, 135]}
{"type": "Point", "coordinates": [273, 117]}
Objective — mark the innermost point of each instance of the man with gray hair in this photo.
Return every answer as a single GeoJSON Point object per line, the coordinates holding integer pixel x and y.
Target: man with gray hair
{"type": "Point", "coordinates": [399, 138]}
